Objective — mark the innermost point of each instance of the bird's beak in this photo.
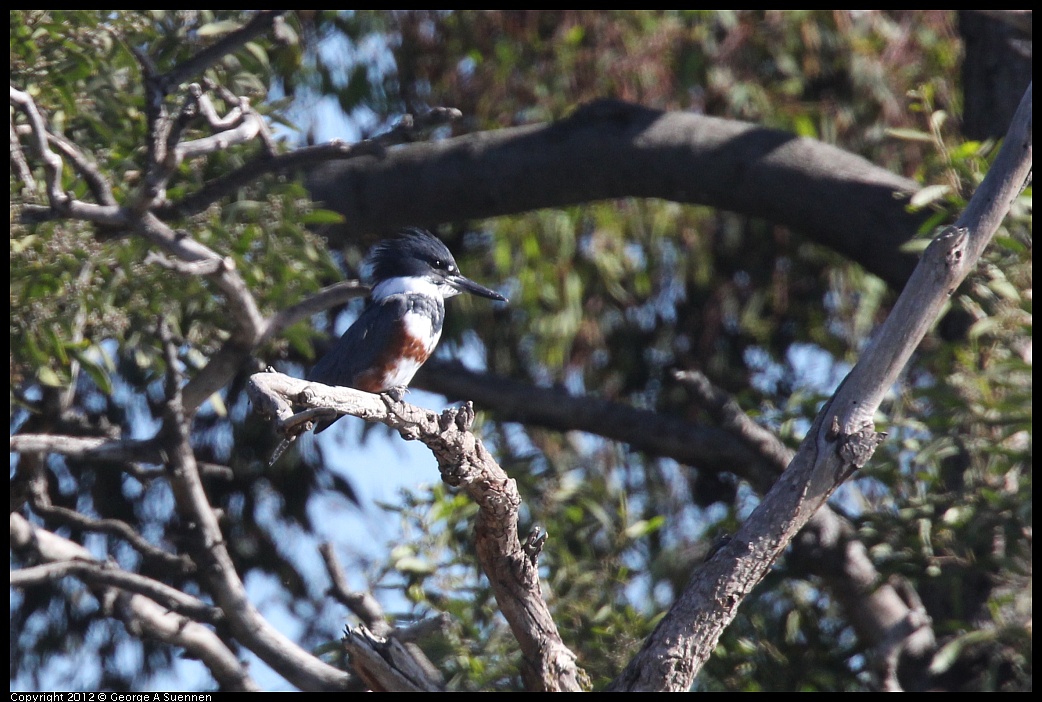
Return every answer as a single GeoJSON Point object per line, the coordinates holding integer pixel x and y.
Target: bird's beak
{"type": "Point", "coordinates": [467, 285]}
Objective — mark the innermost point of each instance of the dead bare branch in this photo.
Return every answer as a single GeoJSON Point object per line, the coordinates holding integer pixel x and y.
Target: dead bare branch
{"type": "Point", "coordinates": [362, 604]}
{"type": "Point", "coordinates": [139, 613]}
{"type": "Point", "coordinates": [386, 665]}
{"type": "Point", "coordinates": [465, 463]}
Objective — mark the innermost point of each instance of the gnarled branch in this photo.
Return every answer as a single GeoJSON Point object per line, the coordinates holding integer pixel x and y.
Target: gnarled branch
{"type": "Point", "coordinates": [465, 463]}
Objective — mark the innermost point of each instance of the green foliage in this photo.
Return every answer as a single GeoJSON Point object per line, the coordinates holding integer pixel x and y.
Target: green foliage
{"type": "Point", "coordinates": [597, 537]}
{"type": "Point", "coordinates": [792, 638]}
{"type": "Point", "coordinates": [69, 285]}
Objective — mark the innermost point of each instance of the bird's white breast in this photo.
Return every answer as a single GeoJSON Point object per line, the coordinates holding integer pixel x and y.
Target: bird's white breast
{"type": "Point", "coordinates": [420, 328]}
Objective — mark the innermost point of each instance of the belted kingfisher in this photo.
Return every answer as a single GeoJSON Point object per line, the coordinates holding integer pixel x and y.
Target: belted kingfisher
{"type": "Point", "coordinates": [402, 320]}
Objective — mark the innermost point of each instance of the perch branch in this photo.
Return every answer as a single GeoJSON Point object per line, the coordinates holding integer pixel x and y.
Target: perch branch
{"type": "Point", "coordinates": [465, 463]}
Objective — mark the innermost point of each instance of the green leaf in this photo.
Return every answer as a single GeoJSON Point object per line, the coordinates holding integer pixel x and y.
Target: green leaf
{"type": "Point", "coordinates": [1011, 244]}
{"type": "Point", "coordinates": [937, 120]}
{"type": "Point", "coordinates": [928, 195]}
{"type": "Point", "coordinates": [909, 135]}
{"type": "Point", "coordinates": [215, 29]}
{"type": "Point", "coordinates": [951, 652]}
{"type": "Point", "coordinates": [644, 527]}
{"type": "Point", "coordinates": [96, 371]}
{"type": "Point", "coordinates": [315, 217]}
{"type": "Point", "coordinates": [982, 327]}
{"type": "Point", "coordinates": [1005, 289]}
{"type": "Point", "coordinates": [415, 566]}
{"type": "Point", "coordinates": [48, 377]}
{"type": "Point", "coordinates": [217, 402]}
{"type": "Point", "coordinates": [18, 245]}
{"type": "Point", "coordinates": [258, 53]}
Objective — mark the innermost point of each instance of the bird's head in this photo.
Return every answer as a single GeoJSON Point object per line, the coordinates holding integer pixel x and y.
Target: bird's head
{"type": "Point", "coordinates": [417, 261]}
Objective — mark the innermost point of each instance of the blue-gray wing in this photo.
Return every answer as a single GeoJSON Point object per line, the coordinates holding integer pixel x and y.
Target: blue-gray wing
{"type": "Point", "coordinates": [362, 346]}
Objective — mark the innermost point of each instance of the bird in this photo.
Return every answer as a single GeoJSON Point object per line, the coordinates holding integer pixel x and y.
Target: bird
{"type": "Point", "coordinates": [401, 322]}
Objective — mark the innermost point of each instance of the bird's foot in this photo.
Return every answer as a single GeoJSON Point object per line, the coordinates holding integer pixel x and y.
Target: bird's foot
{"type": "Point", "coordinates": [396, 393]}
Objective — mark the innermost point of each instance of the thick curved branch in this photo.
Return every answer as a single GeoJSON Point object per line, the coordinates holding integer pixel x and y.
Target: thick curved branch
{"type": "Point", "coordinates": [242, 306]}
{"type": "Point", "coordinates": [840, 441]}
{"type": "Point", "coordinates": [106, 574]}
{"type": "Point", "coordinates": [827, 545]}
{"type": "Point", "coordinates": [644, 430]}
{"type": "Point", "coordinates": [140, 613]}
{"type": "Point", "coordinates": [464, 462]}
{"type": "Point", "coordinates": [612, 149]}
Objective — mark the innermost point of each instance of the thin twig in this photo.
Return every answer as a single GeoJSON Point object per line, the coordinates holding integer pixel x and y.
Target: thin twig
{"type": "Point", "coordinates": [52, 163]}
{"type": "Point", "coordinates": [362, 604]}
{"type": "Point", "coordinates": [304, 157]}
{"type": "Point", "coordinates": [327, 297]}
{"type": "Point", "coordinates": [260, 24]}
{"type": "Point", "coordinates": [120, 529]}
{"type": "Point", "coordinates": [21, 166]}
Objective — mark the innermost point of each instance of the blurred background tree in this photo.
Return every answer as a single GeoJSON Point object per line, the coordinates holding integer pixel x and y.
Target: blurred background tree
{"type": "Point", "coordinates": [608, 299]}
